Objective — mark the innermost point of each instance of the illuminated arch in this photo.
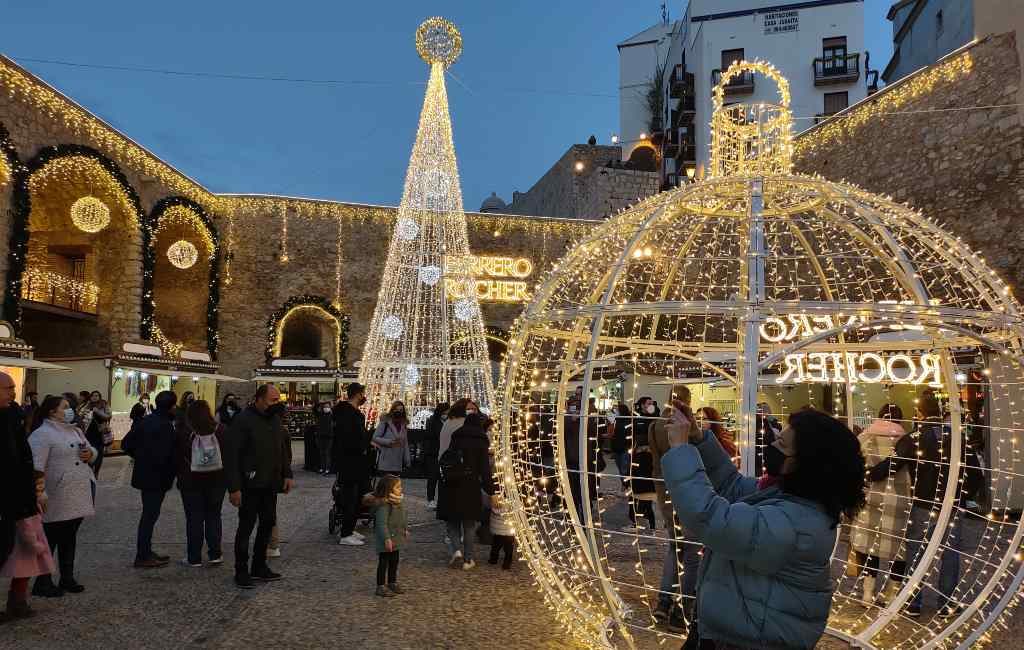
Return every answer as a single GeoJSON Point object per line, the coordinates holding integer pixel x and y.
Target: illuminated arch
{"type": "Point", "coordinates": [179, 209]}
{"type": "Point", "coordinates": [87, 160]}
{"type": "Point", "coordinates": [277, 321]}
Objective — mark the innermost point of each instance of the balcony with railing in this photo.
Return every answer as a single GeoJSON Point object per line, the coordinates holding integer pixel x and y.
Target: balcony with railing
{"type": "Point", "coordinates": [44, 287]}
{"type": "Point", "coordinates": [741, 84]}
{"type": "Point", "coordinates": [836, 69]}
{"type": "Point", "coordinates": [680, 82]}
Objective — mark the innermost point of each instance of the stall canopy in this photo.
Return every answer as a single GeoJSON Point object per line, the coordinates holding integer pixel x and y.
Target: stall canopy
{"type": "Point", "coordinates": [16, 362]}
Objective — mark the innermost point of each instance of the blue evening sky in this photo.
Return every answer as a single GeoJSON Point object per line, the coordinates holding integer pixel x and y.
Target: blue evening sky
{"type": "Point", "coordinates": [536, 76]}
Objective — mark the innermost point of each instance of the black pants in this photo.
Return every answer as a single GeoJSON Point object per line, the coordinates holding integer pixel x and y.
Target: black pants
{"type": "Point", "coordinates": [506, 542]}
{"type": "Point", "coordinates": [257, 504]}
{"type": "Point", "coordinates": [203, 519]}
{"type": "Point", "coordinates": [324, 446]}
{"type": "Point", "coordinates": [349, 496]}
{"type": "Point", "coordinates": [431, 469]}
{"type": "Point", "coordinates": [152, 501]}
{"type": "Point", "coordinates": [642, 508]}
{"type": "Point", "coordinates": [899, 567]}
{"type": "Point", "coordinates": [63, 538]}
{"type": "Point", "coordinates": [387, 566]}
{"type": "Point", "coordinates": [98, 462]}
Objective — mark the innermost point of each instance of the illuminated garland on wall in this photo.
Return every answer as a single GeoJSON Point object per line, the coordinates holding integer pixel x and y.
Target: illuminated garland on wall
{"type": "Point", "coordinates": [21, 201]}
{"type": "Point", "coordinates": [8, 158]}
{"type": "Point", "coordinates": [308, 300]}
{"type": "Point", "coordinates": [152, 227]}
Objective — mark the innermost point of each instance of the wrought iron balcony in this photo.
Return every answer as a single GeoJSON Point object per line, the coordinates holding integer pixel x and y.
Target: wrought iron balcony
{"type": "Point", "coordinates": [836, 69]}
{"type": "Point", "coordinates": [680, 82]}
{"type": "Point", "coordinates": [741, 84]}
{"type": "Point", "coordinates": [58, 290]}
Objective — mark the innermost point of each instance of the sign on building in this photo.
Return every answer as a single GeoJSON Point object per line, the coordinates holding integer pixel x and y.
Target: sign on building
{"type": "Point", "coordinates": [778, 22]}
{"type": "Point", "coordinates": [496, 279]}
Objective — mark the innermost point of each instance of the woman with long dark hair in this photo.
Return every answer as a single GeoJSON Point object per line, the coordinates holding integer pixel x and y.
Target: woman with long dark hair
{"type": "Point", "coordinates": [228, 409]}
{"type": "Point", "coordinates": [202, 488]}
{"type": "Point", "coordinates": [392, 438]}
{"type": "Point", "coordinates": [769, 546]}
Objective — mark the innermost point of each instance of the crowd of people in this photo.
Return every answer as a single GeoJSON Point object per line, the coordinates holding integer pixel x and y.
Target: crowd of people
{"type": "Point", "coordinates": [732, 540]}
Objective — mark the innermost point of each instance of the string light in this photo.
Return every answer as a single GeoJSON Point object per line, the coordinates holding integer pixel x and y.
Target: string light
{"type": "Point", "coordinates": [675, 288]}
{"type": "Point", "coordinates": [182, 254]}
{"type": "Point", "coordinates": [416, 332]}
{"type": "Point", "coordinates": [50, 286]}
{"type": "Point", "coordinates": [89, 214]}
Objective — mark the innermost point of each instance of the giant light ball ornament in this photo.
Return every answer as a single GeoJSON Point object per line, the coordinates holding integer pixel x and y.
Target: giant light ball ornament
{"type": "Point", "coordinates": [438, 41]}
{"type": "Point", "coordinates": [182, 254]}
{"type": "Point", "coordinates": [90, 215]}
{"type": "Point", "coordinates": [762, 285]}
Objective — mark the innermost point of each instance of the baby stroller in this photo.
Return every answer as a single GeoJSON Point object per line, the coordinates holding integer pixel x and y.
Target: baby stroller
{"type": "Point", "coordinates": [334, 517]}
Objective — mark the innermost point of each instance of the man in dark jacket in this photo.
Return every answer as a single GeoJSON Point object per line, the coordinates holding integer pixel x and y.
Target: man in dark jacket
{"type": "Point", "coordinates": [257, 465]}
{"type": "Point", "coordinates": [151, 444]}
{"type": "Point", "coordinates": [351, 459]}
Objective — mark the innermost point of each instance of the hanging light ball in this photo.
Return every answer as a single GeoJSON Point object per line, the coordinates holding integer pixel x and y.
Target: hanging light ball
{"type": "Point", "coordinates": [89, 214]}
{"type": "Point", "coordinates": [438, 41]}
{"type": "Point", "coordinates": [407, 229]}
{"type": "Point", "coordinates": [182, 254]}
{"type": "Point", "coordinates": [465, 309]}
{"type": "Point", "coordinates": [412, 376]}
{"type": "Point", "coordinates": [429, 275]}
{"type": "Point", "coordinates": [419, 421]}
{"type": "Point", "coordinates": [391, 327]}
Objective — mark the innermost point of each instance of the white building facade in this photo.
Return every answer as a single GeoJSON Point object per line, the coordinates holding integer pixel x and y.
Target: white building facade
{"type": "Point", "coordinates": [817, 44]}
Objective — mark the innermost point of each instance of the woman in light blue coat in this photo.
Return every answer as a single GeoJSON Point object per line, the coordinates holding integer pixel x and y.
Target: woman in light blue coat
{"type": "Point", "coordinates": [764, 581]}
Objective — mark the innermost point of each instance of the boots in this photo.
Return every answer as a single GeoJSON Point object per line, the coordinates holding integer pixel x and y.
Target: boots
{"type": "Point", "coordinates": [45, 588]}
{"type": "Point", "coordinates": [868, 595]}
{"type": "Point", "coordinates": [17, 607]}
{"type": "Point", "coordinates": [67, 583]}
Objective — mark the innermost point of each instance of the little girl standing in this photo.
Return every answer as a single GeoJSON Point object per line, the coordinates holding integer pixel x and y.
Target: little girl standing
{"type": "Point", "coordinates": [391, 530]}
{"type": "Point", "coordinates": [502, 532]}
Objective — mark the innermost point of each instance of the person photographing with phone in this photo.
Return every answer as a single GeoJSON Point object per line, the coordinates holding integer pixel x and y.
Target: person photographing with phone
{"type": "Point", "coordinates": [764, 580]}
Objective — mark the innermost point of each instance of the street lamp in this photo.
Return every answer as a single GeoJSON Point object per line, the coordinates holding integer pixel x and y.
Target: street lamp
{"type": "Point", "coordinates": [690, 172]}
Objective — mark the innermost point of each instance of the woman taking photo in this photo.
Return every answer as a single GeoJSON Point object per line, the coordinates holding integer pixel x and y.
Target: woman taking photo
{"type": "Point", "coordinates": [62, 454]}
{"type": "Point", "coordinates": [768, 546]}
{"type": "Point", "coordinates": [392, 437]}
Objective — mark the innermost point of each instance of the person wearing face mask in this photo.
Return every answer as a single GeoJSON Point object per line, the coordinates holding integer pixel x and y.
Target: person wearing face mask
{"type": "Point", "coordinates": [392, 438]}
{"type": "Point", "coordinates": [765, 578]}
{"type": "Point", "coordinates": [456, 418]}
{"type": "Point", "coordinates": [96, 424]}
{"type": "Point", "coordinates": [257, 466]}
{"type": "Point", "coordinates": [141, 409]}
{"type": "Point", "coordinates": [227, 410]}
{"type": "Point", "coordinates": [61, 454]}
{"type": "Point", "coordinates": [351, 459]}
{"type": "Point", "coordinates": [324, 436]}
{"type": "Point", "coordinates": [152, 444]}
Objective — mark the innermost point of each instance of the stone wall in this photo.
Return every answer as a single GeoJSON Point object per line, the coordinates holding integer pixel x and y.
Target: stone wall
{"type": "Point", "coordinates": [963, 168]}
{"type": "Point", "coordinates": [593, 192]}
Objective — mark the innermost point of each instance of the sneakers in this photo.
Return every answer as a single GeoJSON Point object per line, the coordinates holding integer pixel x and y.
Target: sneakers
{"type": "Point", "coordinates": [71, 586]}
{"type": "Point", "coordinates": [912, 611]}
{"type": "Point", "coordinates": [273, 552]}
{"type": "Point", "coordinates": [358, 535]}
{"type": "Point", "coordinates": [466, 566]}
{"type": "Point", "coordinates": [395, 589]}
{"type": "Point", "coordinates": [217, 560]}
{"type": "Point", "coordinates": [431, 505]}
{"type": "Point", "coordinates": [351, 540]}
{"type": "Point", "coordinates": [456, 558]}
{"type": "Point", "coordinates": [384, 593]}
{"type": "Point", "coordinates": [150, 563]}
{"type": "Point", "coordinates": [193, 565]}
{"type": "Point", "coordinates": [243, 580]}
{"type": "Point", "coordinates": [661, 613]}
{"type": "Point", "coordinates": [265, 575]}
{"type": "Point", "coordinates": [676, 620]}
{"type": "Point", "coordinates": [162, 558]}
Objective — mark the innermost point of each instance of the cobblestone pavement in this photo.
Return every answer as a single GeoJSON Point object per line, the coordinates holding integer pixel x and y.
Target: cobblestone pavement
{"type": "Point", "coordinates": [325, 600]}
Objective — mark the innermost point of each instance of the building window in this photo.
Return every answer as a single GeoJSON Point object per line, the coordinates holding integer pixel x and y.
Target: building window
{"type": "Point", "coordinates": [833, 55]}
{"type": "Point", "coordinates": [731, 56]}
{"type": "Point", "coordinates": [835, 102]}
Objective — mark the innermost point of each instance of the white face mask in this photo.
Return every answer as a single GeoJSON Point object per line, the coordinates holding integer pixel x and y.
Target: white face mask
{"type": "Point", "coordinates": [69, 415]}
{"type": "Point", "coordinates": [649, 409]}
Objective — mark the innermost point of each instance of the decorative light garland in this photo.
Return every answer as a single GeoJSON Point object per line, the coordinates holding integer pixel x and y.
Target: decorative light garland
{"type": "Point", "coordinates": [409, 353]}
{"type": "Point", "coordinates": [46, 286]}
{"type": "Point", "coordinates": [275, 325]}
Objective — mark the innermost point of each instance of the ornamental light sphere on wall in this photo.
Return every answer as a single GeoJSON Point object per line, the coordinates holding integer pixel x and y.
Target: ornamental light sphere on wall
{"type": "Point", "coordinates": [871, 302]}
{"type": "Point", "coordinates": [182, 254]}
{"type": "Point", "coordinates": [90, 215]}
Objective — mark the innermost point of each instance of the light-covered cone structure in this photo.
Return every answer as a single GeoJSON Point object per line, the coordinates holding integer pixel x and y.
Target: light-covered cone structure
{"type": "Point", "coordinates": [426, 342]}
{"type": "Point", "coordinates": [763, 291]}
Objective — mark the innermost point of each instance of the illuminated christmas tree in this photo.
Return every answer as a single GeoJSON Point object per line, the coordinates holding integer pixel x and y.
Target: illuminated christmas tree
{"type": "Point", "coordinates": [426, 342]}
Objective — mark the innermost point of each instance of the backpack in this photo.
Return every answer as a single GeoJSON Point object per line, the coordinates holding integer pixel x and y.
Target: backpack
{"type": "Point", "coordinates": [206, 456]}
{"type": "Point", "coordinates": [453, 466]}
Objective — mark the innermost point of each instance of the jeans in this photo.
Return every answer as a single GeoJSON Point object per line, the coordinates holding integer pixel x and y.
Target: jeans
{"type": "Point", "coordinates": [464, 531]}
{"type": "Point", "coordinates": [349, 496]}
{"type": "Point", "coordinates": [672, 581]}
{"type": "Point", "coordinates": [257, 504]}
{"type": "Point", "coordinates": [203, 519]}
{"type": "Point", "coordinates": [506, 542]}
{"type": "Point", "coordinates": [919, 531]}
{"type": "Point", "coordinates": [152, 501]}
{"type": "Point", "coordinates": [623, 462]}
{"type": "Point", "coordinates": [63, 538]}
{"type": "Point", "coordinates": [387, 565]}
{"type": "Point", "coordinates": [324, 446]}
